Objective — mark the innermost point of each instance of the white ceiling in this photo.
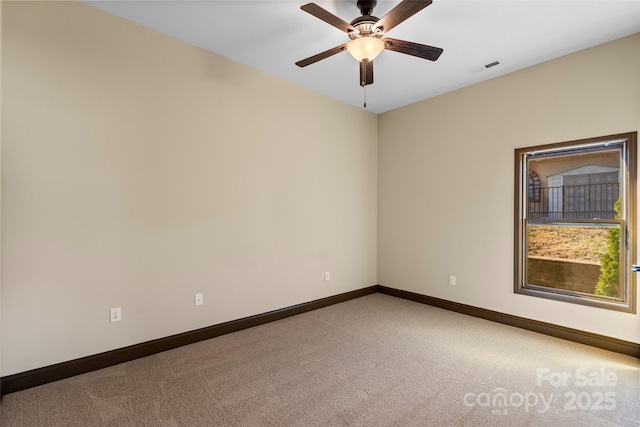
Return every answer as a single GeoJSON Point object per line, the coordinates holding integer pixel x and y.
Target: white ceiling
{"type": "Point", "coordinates": [271, 35]}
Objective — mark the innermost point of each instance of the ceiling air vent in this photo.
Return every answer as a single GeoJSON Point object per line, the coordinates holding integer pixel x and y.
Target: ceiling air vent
{"type": "Point", "coordinates": [485, 66]}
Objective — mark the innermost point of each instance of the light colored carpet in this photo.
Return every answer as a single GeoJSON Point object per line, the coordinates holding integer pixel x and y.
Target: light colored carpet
{"type": "Point", "coordinates": [372, 361]}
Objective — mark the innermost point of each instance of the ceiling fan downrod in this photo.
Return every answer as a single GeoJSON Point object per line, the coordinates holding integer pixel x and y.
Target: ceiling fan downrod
{"type": "Point", "coordinates": [366, 6]}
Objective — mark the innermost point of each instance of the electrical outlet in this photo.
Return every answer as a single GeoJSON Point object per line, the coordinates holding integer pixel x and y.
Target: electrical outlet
{"type": "Point", "coordinates": [452, 280]}
{"type": "Point", "coordinates": [115, 314]}
{"type": "Point", "coordinates": [327, 276]}
{"type": "Point", "coordinates": [199, 299]}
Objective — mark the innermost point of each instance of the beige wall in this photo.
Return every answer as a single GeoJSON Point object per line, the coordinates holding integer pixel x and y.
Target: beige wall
{"type": "Point", "coordinates": [138, 170]}
{"type": "Point", "coordinates": [445, 178]}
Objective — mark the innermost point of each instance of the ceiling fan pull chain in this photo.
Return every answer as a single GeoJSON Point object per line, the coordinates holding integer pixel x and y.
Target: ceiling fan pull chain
{"type": "Point", "coordinates": [365, 96]}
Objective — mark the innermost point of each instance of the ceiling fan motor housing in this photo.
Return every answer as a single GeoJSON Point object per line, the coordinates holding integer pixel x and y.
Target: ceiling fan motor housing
{"type": "Point", "coordinates": [364, 26]}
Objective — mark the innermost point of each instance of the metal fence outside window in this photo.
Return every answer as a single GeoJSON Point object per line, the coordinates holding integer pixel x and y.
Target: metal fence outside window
{"type": "Point", "coordinates": [593, 201]}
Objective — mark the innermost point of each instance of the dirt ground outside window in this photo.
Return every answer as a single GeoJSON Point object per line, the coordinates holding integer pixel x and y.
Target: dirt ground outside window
{"type": "Point", "coordinates": [583, 243]}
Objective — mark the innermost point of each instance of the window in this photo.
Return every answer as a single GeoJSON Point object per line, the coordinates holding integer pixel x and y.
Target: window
{"type": "Point", "coordinates": [575, 221]}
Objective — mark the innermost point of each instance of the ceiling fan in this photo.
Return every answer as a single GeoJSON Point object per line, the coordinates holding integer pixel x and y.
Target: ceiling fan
{"type": "Point", "coordinates": [366, 34]}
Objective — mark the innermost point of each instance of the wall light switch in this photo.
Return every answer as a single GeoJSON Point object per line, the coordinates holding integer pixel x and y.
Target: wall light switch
{"type": "Point", "coordinates": [327, 276]}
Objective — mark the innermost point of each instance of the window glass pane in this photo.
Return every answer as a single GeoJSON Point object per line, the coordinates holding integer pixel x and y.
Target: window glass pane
{"type": "Point", "coordinates": [576, 186]}
{"type": "Point", "coordinates": [582, 258]}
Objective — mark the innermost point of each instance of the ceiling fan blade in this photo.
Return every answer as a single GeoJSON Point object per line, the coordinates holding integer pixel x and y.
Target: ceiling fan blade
{"type": "Point", "coordinates": [322, 55]}
{"type": "Point", "coordinates": [327, 17]}
{"type": "Point", "coordinates": [366, 73]}
{"type": "Point", "coordinates": [403, 11]}
{"type": "Point", "coordinates": [410, 48]}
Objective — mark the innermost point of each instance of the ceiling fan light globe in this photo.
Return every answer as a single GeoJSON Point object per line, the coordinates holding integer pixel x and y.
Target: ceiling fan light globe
{"type": "Point", "coordinates": [365, 48]}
